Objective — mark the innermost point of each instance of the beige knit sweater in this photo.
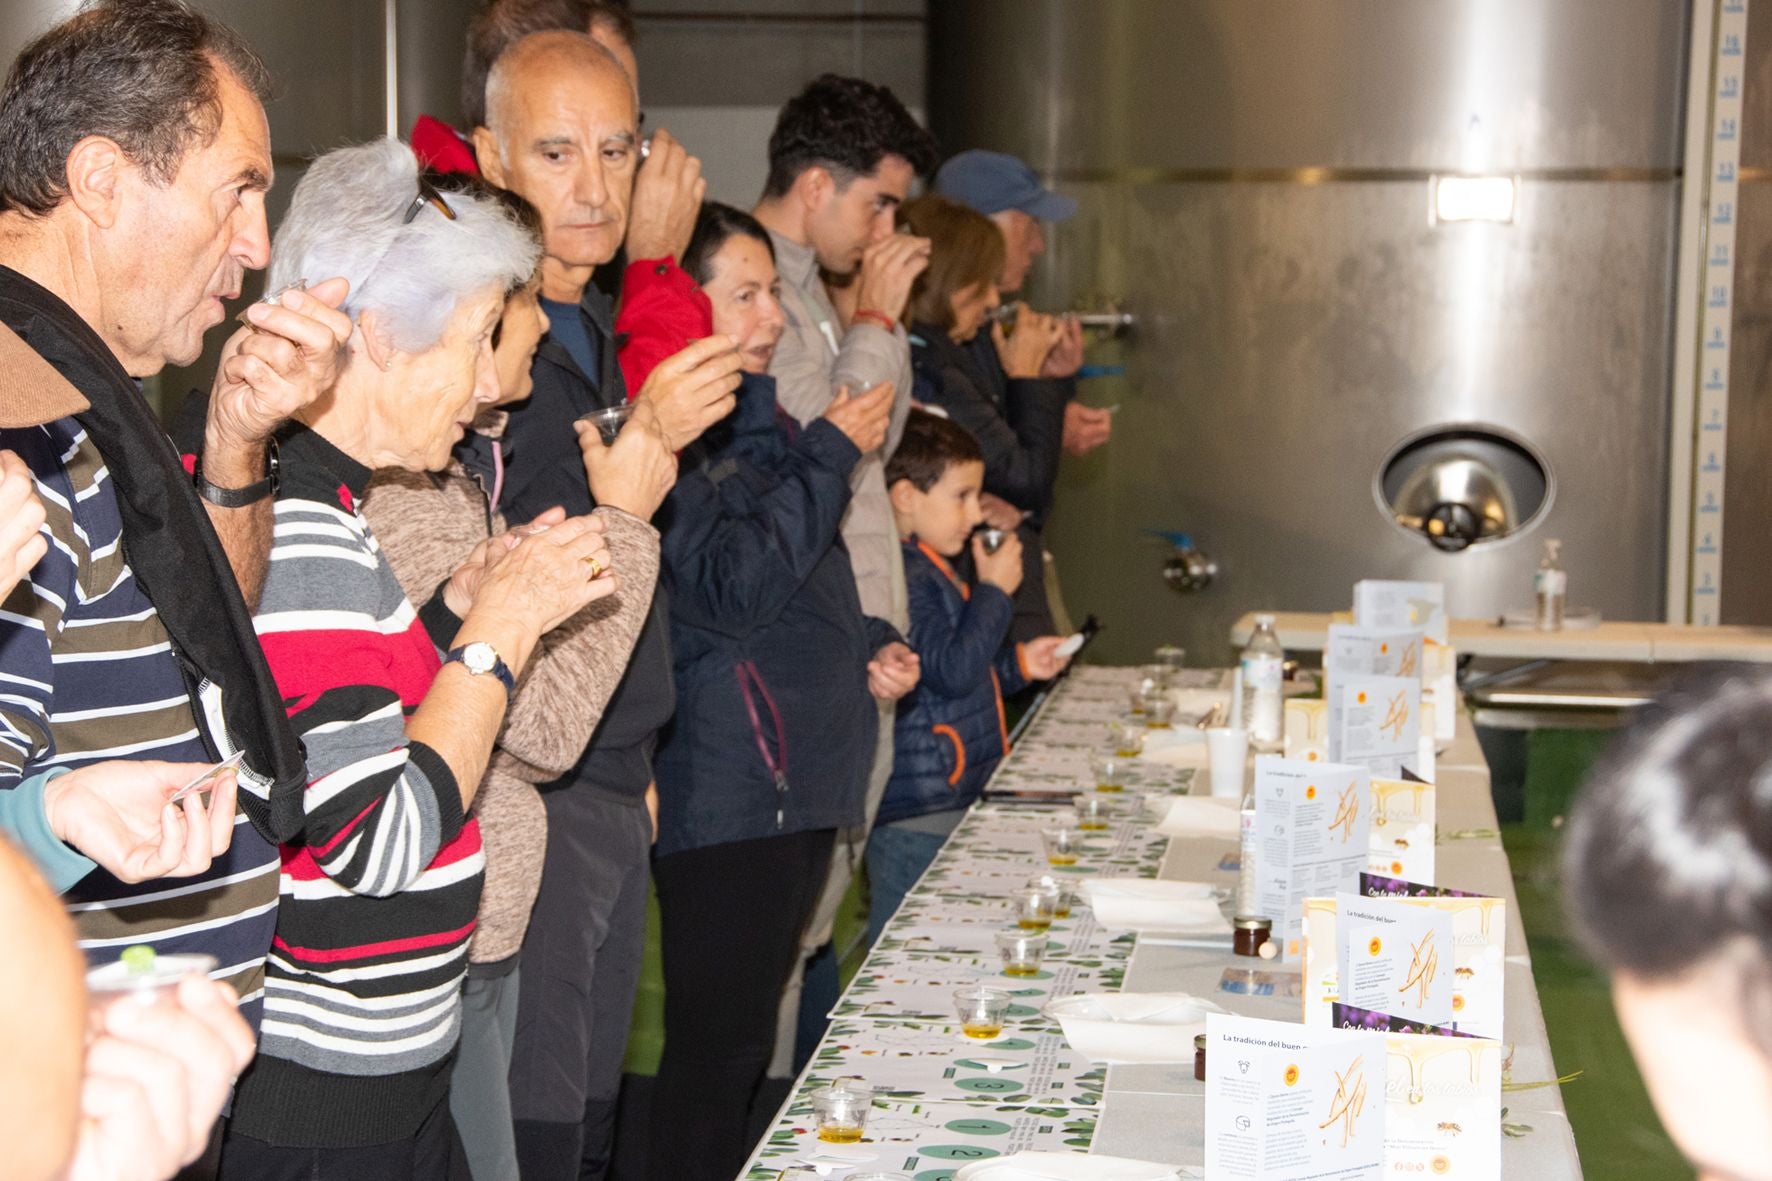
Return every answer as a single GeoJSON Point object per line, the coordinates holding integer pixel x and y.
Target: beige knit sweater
{"type": "Point", "coordinates": [427, 523]}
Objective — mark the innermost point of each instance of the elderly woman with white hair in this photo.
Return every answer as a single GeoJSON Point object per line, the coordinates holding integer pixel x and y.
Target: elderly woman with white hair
{"type": "Point", "coordinates": [379, 893]}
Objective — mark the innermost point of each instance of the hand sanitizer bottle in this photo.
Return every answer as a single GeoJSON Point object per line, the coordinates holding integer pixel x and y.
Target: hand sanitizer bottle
{"type": "Point", "coordinates": [1262, 668]}
{"type": "Point", "coordinates": [1551, 586]}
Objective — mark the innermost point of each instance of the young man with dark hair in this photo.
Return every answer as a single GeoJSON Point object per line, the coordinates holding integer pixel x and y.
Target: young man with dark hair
{"type": "Point", "coordinates": [841, 160]}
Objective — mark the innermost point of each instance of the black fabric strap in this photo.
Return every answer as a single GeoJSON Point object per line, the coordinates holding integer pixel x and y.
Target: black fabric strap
{"type": "Point", "coordinates": [172, 548]}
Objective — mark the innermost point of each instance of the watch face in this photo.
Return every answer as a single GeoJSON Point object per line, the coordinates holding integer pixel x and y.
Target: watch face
{"type": "Point", "coordinates": [479, 658]}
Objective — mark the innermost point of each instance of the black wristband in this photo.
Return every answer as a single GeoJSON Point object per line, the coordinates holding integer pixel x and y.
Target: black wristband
{"type": "Point", "coordinates": [239, 497]}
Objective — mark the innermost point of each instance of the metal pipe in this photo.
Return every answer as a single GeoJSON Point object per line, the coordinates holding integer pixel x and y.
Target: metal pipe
{"type": "Point", "coordinates": [1111, 321]}
{"type": "Point", "coordinates": [391, 66]}
{"type": "Point", "coordinates": [1108, 321]}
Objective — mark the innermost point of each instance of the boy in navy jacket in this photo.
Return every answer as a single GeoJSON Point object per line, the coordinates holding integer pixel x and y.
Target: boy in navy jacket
{"type": "Point", "coordinates": [950, 733]}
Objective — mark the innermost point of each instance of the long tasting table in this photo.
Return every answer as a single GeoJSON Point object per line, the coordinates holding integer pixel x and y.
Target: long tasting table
{"type": "Point", "coordinates": [944, 1100]}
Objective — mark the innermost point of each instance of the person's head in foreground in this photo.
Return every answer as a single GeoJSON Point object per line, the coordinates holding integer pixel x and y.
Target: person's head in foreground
{"type": "Point", "coordinates": [731, 257]}
{"type": "Point", "coordinates": [1668, 873]}
{"type": "Point", "coordinates": [959, 291]}
{"type": "Point", "coordinates": [841, 160]}
{"type": "Point", "coordinates": [134, 153]}
{"type": "Point", "coordinates": [430, 273]}
{"type": "Point", "coordinates": [1008, 192]}
{"type": "Point", "coordinates": [934, 478]}
{"type": "Point", "coordinates": [562, 130]}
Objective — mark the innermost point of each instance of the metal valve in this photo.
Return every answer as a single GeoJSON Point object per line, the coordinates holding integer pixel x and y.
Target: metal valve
{"type": "Point", "coordinates": [1187, 569]}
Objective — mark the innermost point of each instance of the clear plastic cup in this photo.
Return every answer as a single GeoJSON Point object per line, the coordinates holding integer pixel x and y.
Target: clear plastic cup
{"type": "Point", "coordinates": [609, 421]}
{"type": "Point", "coordinates": [981, 1011]}
{"type": "Point", "coordinates": [1170, 656]}
{"type": "Point", "coordinates": [143, 976]}
{"type": "Point", "coordinates": [1128, 738]}
{"type": "Point", "coordinates": [1152, 678]}
{"type": "Point", "coordinates": [1033, 908]}
{"type": "Point", "coordinates": [1110, 772]}
{"type": "Point", "coordinates": [1227, 753]}
{"type": "Point", "coordinates": [1062, 893]}
{"type": "Point", "coordinates": [1023, 952]}
{"type": "Point", "coordinates": [1159, 709]}
{"type": "Point", "coordinates": [1063, 845]}
{"type": "Point", "coordinates": [842, 1110]}
{"type": "Point", "coordinates": [1094, 814]}
{"type": "Point", "coordinates": [992, 538]}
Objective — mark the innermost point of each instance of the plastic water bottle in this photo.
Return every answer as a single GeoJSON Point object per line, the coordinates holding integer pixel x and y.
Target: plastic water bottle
{"type": "Point", "coordinates": [1263, 706]}
{"type": "Point", "coordinates": [1551, 587]}
{"type": "Point", "coordinates": [1247, 899]}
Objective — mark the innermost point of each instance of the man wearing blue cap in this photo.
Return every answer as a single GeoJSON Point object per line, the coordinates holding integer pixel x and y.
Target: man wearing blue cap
{"type": "Point", "coordinates": [1007, 191]}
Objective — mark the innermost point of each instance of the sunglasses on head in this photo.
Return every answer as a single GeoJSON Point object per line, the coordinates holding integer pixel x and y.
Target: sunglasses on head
{"type": "Point", "coordinates": [427, 195]}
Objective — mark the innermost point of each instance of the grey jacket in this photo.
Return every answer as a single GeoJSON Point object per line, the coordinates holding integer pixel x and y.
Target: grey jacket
{"type": "Point", "coordinates": [814, 359]}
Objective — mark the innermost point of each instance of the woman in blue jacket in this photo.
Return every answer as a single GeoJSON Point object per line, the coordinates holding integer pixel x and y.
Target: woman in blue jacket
{"type": "Point", "coordinates": [776, 671]}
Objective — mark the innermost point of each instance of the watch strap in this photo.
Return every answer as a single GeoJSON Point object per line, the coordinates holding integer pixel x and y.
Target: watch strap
{"type": "Point", "coordinates": [499, 668]}
{"type": "Point", "coordinates": [239, 497]}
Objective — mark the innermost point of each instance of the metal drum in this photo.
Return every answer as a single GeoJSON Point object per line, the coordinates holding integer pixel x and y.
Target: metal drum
{"type": "Point", "coordinates": [1257, 186]}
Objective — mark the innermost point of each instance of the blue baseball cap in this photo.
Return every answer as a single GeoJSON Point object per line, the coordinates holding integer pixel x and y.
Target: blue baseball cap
{"type": "Point", "coordinates": [991, 182]}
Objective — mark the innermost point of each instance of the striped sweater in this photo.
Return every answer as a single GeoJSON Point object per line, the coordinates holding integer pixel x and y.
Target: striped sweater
{"type": "Point", "coordinates": [88, 674]}
{"type": "Point", "coordinates": [362, 993]}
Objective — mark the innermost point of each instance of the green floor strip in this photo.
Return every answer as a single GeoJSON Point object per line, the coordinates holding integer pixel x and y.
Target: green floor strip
{"type": "Point", "coordinates": [1615, 1127]}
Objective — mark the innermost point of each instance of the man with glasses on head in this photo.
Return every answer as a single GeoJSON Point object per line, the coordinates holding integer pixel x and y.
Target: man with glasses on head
{"type": "Point", "coordinates": [134, 160]}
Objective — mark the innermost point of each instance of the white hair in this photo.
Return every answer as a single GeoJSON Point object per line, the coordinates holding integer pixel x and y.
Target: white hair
{"type": "Point", "coordinates": [346, 218]}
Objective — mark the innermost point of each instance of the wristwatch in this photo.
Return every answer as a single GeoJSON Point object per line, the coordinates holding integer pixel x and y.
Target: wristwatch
{"type": "Point", "coordinates": [479, 658]}
{"type": "Point", "coordinates": [239, 497]}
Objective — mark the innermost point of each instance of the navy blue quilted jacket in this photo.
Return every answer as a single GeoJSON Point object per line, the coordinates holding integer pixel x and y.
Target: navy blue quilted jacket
{"type": "Point", "coordinates": [769, 643]}
{"type": "Point", "coordinates": [950, 732]}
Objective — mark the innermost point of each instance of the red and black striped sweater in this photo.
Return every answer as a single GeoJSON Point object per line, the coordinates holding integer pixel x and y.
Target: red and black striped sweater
{"type": "Point", "coordinates": [363, 986]}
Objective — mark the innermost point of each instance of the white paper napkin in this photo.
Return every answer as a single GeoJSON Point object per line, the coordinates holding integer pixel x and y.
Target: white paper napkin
{"type": "Point", "coordinates": [1193, 704]}
{"type": "Point", "coordinates": [1178, 746]}
{"type": "Point", "coordinates": [1122, 1027]}
{"type": "Point", "coordinates": [1201, 816]}
{"type": "Point", "coordinates": [1060, 1166]}
{"type": "Point", "coordinates": [1146, 906]}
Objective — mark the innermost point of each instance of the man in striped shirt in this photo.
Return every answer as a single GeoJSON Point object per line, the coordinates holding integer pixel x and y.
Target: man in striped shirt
{"type": "Point", "coordinates": [134, 158]}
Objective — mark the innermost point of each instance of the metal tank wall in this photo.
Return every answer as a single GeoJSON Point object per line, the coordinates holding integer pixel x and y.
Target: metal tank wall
{"type": "Point", "coordinates": [1254, 183]}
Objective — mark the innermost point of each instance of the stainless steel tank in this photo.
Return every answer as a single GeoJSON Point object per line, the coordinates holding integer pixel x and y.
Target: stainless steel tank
{"type": "Point", "coordinates": [1255, 185]}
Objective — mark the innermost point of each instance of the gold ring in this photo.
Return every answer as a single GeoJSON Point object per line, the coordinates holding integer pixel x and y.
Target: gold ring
{"type": "Point", "coordinates": [596, 567]}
